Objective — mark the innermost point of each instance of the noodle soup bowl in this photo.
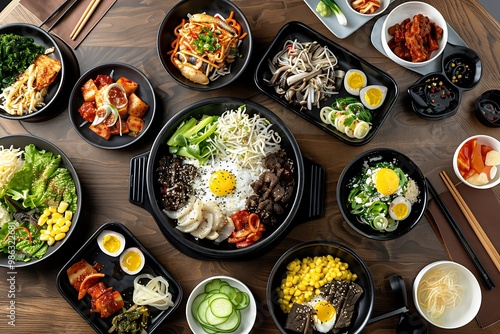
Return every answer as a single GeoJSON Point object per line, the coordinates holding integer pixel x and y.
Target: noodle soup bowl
{"type": "Point", "coordinates": [409, 10]}
{"type": "Point", "coordinates": [467, 296]}
{"type": "Point", "coordinates": [183, 9]}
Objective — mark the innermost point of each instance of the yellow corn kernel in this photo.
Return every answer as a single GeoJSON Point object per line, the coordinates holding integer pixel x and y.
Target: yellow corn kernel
{"type": "Point", "coordinates": [52, 209]}
{"type": "Point", "coordinates": [61, 222]}
{"type": "Point", "coordinates": [68, 214]}
{"type": "Point", "coordinates": [42, 220]}
{"type": "Point", "coordinates": [51, 241]}
{"type": "Point", "coordinates": [44, 237]}
{"type": "Point", "coordinates": [64, 229]}
{"type": "Point", "coordinates": [62, 206]}
{"type": "Point", "coordinates": [59, 236]}
{"type": "Point", "coordinates": [55, 231]}
{"type": "Point", "coordinates": [68, 223]}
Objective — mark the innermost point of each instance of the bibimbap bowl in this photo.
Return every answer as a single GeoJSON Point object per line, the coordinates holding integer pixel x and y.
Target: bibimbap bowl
{"type": "Point", "coordinates": [327, 255]}
{"type": "Point", "coordinates": [374, 195]}
{"type": "Point", "coordinates": [178, 232]}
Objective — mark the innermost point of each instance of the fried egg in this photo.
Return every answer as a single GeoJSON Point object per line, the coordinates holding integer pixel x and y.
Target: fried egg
{"type": "Point", "coordinates": [225, 183]}
{"type": "Point", "coordinates": [111, 243]}
{"type": "Point", "coordinates": [400, 208]}
{"type": "Point", "coordinates": [373, 96]}
{"type": "Point", "coordinates": [354, 80]}
{"type": "Point", "coordinates": [324, 314]}
{"type": "Point", "coordinates": [386, 181]}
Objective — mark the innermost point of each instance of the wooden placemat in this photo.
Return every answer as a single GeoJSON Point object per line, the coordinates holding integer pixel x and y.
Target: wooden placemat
{"type": "Point", "coordinates": [486, 208]}
{"type": "Point", "coordinates": [43, 8]}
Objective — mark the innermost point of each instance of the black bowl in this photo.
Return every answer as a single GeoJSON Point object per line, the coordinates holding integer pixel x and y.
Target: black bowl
{"type": "Point", "coordinates": [462, 66]}
{"type": "Point", "coordinates": [56, 98]}
{"type": "Point", "coordinates": [20, 141]}
{"type": "Point", "coordinates": [149, 196]}
{"type": "Point", "coordinates": [355, 167]}
{"type": "Point", "coordinates": [365, 303]}
{"type": "Point", "coordinates": [488, 108]}
{"type": "Point", "coordinates": [434, 97]}
{"type": "Point", "coordinates": [116, 279]}
{"type": "Point", "coordinates": [145, 91]}
{"type": "Point", "coordinates": [174, 18]}
{"type": "Point", "coordinates": [346, 60]}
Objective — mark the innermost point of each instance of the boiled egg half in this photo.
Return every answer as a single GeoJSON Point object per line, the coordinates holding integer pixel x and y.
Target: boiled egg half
{"type": "Point", "coordinates": [354, 80]}
{"type": "Point", "coordinates": [399, 208]}
{"type": "Point", "coordinates": [373, 96]}
{"type": "Point", "coordinates": [111, 243]}
{"type": "Point", "coordinates": [132, 260]}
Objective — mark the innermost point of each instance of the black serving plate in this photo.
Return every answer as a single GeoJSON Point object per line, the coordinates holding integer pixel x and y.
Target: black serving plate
{"type": "Point", "coordinates": [116, 279]}
{"type": "Point", "coordinates": [21, 141]}
{"type": "Point", "coordinates": [145, 91]}
{"type": "Point", "coordinates": [354, 169]}
{"type": "Point", "coordinates": [488, 108]}
{"type": "Point", "coordinates": [346, 61]}
{"type": "Point", "coordinates": [56, 98]}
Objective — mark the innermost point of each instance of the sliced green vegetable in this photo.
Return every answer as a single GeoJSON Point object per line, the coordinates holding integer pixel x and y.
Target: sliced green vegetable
{"type": "Point", "coordinates": [337, 11]}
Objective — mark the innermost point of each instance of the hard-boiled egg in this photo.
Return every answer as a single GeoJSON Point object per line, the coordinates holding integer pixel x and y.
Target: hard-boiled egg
{"type": "Point", "coordinates": [132, 260]}
{"type": "Point", "coordinates": [399, 208]}
{"type": "Point", "coordinates": [354, 80]}
{"type": "Point", "coordinates": [373, 96]}
{"type": "Point", "coordinates": [111, 243]}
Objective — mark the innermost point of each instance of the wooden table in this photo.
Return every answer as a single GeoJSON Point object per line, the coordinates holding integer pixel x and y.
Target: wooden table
{"type": "Point", "coordinates": [104, 174]}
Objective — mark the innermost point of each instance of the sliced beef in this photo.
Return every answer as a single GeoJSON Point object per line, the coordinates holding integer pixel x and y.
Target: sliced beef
{"type": "Point", "coordinates": [299, 319]}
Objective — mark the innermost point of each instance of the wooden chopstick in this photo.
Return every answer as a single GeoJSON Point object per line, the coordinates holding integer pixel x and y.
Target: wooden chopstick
{"type": "Point", "coordinates": [481, 235]}
{"type": "Point", "coordinates": [84, 18]}
{"type": "Point", "coordinates": [55, 12]}
{"type": "Point", "coordinates": [461, 237]}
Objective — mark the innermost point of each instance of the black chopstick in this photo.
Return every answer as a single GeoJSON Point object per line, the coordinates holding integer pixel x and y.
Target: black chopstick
{"type": "Point", "coordinates": [55, 12]}
{"type": "Point", "coordinates": [63, 14]}
{"type": "Point", "coordinates": [461, 237]}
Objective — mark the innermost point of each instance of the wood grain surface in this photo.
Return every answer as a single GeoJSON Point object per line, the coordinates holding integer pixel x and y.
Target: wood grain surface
{"type": "Point", "coordinates": [128, 34]}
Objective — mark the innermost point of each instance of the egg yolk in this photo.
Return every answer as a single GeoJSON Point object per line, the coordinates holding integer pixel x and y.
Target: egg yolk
{"type": "Point", "coordinates": [324, 311]}
{"type": "Point", "coordinates": [132, 261]}
{"type": "Point", "coordinates": [111, 243]}
{"type": "Point", "coordinates": [373, 96]}
{"type": "Point", "coordinates": [222, 183]}
{"type": "Point", "coordinates": [400, 210]}
{"type": "Point", "coordinates": [386, 181]}
{"type": "Point", "coordinates": [356, 80]}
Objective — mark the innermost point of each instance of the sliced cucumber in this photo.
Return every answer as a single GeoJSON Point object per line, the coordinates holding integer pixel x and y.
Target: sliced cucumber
{"type": "Point", "coordinates": [218, 308]}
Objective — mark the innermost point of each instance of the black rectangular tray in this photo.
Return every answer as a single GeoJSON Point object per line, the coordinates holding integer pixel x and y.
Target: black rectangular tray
{"type": "Point", "coordinates": [346, 61]}
{"type": "Point", "coordinates": [115, 278]}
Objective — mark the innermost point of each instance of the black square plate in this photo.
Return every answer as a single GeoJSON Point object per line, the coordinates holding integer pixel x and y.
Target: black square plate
{"type": "Point", "coordinates": [116, 279]}
{"type": "Point", "coordinates": [346, 61]}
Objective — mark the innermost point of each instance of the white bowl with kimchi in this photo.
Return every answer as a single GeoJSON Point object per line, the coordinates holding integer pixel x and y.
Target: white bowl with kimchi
{"type": "Point", "coordinates": [421, 46]}
{"type": "Point", "coordinates": [204, 45]}
{"type": "Point", "coordinates": [368, 8]}
{"type": "Point", "coordinates": [447, 294]}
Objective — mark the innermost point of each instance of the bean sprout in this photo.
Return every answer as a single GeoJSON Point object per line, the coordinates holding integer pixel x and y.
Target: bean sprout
{"type": "Point", "coordinates": [244, 139]}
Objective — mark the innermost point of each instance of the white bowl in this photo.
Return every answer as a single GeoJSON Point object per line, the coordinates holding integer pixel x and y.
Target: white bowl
{"type": "Point", "coordinates": [248, 315]}
{"type": "Point", "coordinates": [468, 307]}
{"type": "Point", "coordinates": [484, 140]}
{"type": "Point", "coordinates": [384, 4]}
{"type": "Point", "coordinates": [408, 10]}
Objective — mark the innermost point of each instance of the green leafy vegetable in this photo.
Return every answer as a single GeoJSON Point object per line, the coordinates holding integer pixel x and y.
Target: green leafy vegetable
{"type": "Point", "coordinates": [323, 10]}
{"type": "Point", "coordinates": [17, 53]}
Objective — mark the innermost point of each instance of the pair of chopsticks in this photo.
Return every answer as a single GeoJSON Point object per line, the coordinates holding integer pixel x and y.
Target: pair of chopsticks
{"type": "Point", "coordinates": [84, 18]}
{"type": "Point", "coordinates": [56, 11]}
{"type": "Point", "coordinates": [471, 219]}
{"type": "Point", "coordinates": [461, 237]}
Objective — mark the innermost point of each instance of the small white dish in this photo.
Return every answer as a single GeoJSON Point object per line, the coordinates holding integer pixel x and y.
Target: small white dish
{"type": "Point", "coordinates": [469, 305]}
{"type": "Point", "coordinates": [248, 315]}
{"type": "Point", "coordinates": [384, 4]}
{"type": "Point", "coordinates": [354, 20]}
